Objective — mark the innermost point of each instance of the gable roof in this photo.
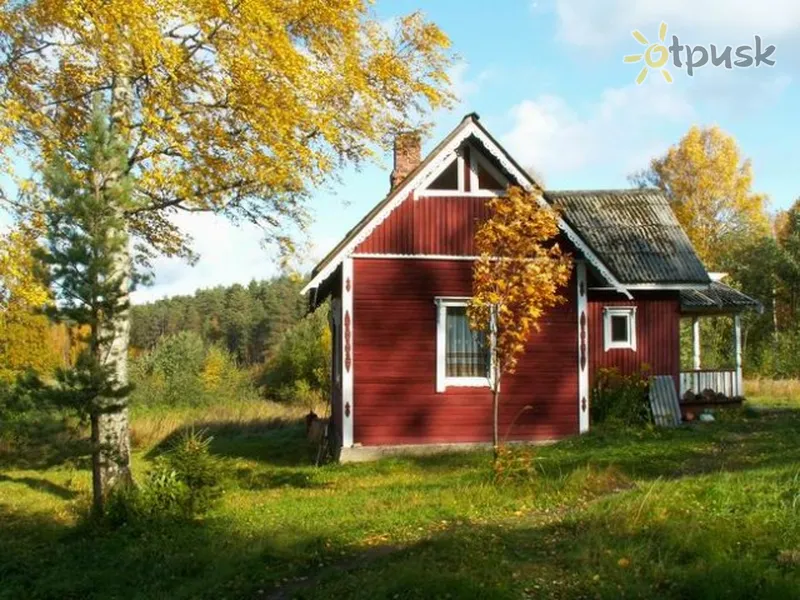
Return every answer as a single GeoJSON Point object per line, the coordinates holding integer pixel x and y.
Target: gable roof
{"type": "Point", "coordinates": [331, 260]}
{"type": "Point", "coordinates": [635, 233]}
{"type": "Point", "coordinates": [468, 128]}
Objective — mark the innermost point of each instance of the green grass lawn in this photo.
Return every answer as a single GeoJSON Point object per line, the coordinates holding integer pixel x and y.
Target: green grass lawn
{"type": "Point", "coordinates": [705, 511]}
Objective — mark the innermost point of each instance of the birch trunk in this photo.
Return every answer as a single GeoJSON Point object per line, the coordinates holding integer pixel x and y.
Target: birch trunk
{"type": "Point", "coordinates": [112, 424]}
{"type": "Point", "coordinates": [114, 450]}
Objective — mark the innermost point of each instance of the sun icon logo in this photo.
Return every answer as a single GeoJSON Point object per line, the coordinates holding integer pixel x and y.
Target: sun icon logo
{"type": "Point", "coordinates": [655, 57]}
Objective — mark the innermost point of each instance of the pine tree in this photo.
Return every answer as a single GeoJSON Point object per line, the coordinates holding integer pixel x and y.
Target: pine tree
{"type": "Point", "coordinates": [88, 265]}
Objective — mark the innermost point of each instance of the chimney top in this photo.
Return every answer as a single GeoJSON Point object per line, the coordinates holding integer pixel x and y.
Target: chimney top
{"type": "Point", "coordinates": [407, 155]}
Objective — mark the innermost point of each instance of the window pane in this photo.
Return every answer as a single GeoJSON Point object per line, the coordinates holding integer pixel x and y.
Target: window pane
{"type": "Point", "coordinates": [466, 351]}
{"type": "Point", "coordinates": [619, 328]}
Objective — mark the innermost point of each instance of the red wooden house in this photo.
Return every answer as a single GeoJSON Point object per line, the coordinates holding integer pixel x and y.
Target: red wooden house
{"type": "Point", "coordinates": [407, 371]}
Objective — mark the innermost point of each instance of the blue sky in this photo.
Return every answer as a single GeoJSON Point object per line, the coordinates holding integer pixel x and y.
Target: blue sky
{"type": "Point", "coordinates": [547, 79]}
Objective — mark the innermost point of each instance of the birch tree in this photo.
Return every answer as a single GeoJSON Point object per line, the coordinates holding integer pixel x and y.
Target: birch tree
{"type": "Point", "coordinates": [86, 239]}
{"type": "Point", "coordinates": [240, 107]}
{"type": "Point", "coordinates": [521, 272]}
{"type": "Point", "coordinates": [709, 186]}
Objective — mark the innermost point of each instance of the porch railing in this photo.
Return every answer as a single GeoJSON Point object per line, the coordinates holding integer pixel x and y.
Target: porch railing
{"type": "Point", "coordinates": [724, 381]}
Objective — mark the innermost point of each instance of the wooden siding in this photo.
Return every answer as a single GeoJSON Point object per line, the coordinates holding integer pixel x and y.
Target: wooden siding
{"type": "Point", "coordinates": [436, 225]}
{"type": "Point", "coordinates": [394, 359]}
{"type": "Point", "coordinates": [428, 225]}
{"type": "Point", "coordinates": [657, 334]}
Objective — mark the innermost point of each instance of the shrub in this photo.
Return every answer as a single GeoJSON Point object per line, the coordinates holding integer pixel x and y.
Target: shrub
{"type": "Point", "coordinates": [179, 371]}
{"type": "Point", "coordinates": [184, 483]}
{"type": "Point", "coordinates": [300, 366]}
{"type": "Point", "coordinates": [301, 393]}
{"type": "Point", "coordinates": [621, 399]}
{"type": "Point", "coordinates": [779, 359]}
{"type": "Point", "coordinates": [222, 378]}
{"type": "Point", "coordinates": [179, 353]}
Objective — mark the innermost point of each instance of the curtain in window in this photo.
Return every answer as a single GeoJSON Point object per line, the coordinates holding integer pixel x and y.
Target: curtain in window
{"type": "Point", "coordinates": [467, 354]}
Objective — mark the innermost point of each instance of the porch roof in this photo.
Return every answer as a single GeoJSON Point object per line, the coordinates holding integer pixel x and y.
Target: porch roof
{"type": "Point", "coordinates": [717, 298]}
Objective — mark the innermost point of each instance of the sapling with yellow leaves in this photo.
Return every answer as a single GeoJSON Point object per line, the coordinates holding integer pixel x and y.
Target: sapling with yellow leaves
{"type": "Point", "coordinates": [521, 273]}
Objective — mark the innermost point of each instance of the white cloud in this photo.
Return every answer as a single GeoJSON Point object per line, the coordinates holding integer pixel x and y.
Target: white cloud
{"type": "Point", "coordinates": [619, 131]}
{"type": "Point", "coordinates": [593, 23]}
{"type": "Point", "coordinates": [463, 83]}
{"type": "Point", "coordinates": [228, 254]}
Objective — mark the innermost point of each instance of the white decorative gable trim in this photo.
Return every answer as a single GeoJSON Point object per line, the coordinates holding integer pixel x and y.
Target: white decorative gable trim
{"type": "Point", "coordinates": [469, 127]}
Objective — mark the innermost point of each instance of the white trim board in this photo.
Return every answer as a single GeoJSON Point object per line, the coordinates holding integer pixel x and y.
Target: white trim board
{"type": "Point", "coordinates": [584, 392]}
{"type": "Point", "coordinates": [348, 344]}
{"type": "Point", "coordinates": [467, 128]}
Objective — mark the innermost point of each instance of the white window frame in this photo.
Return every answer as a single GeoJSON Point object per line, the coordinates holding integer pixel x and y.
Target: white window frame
{"type": "Point", "coordinates": [619, 311]}
{"type": "Point", "coordinates": [476, 159]}
{"type": "Point", "coordinates": [442, 380]}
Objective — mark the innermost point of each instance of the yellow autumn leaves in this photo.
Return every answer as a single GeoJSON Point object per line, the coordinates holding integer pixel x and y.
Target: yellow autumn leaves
{"type": "Point", "coordinates": [27, 341]}
{"type": "Point", "coordinates": [245, 105]}
{"type": "Point", "coordinates": [709, 186]}
{"type": "Point", "coordinates": [520, 274]}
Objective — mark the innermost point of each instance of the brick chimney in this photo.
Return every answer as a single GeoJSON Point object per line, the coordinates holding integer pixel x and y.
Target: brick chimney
{"type": "Point", "coordinates": [407, 155]}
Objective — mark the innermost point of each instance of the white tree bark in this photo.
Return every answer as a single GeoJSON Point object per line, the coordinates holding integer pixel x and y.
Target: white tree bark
{"type": "Point", "coordinates": [112, 425]}
{"type": "Point", "coordinates": [113, 432]}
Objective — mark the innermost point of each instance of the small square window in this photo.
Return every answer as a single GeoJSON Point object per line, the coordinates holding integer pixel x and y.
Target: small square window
{"type": "Point", "coordinates": [619, 327]}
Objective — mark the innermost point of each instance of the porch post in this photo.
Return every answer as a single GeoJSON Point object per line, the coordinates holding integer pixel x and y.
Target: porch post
{"type": "Point", "coordinates": [348, 408]}
{"type": "Point", "coordinates": [696, 342]}
{"type": "Point", "coordinates": [737, 341]}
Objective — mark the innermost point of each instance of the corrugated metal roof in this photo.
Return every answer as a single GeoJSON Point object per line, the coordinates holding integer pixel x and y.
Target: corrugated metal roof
{"type": "Point", "coordinates": [635, 233]}
{"type": "Point", "coordinates": [718, 297]}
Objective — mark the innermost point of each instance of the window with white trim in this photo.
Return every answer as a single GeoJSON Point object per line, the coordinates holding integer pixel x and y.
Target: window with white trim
{"type": "Point", "coordinates": [468, 172]}
{"type": "Point", "coordinates": [463, 356]}
{"type": "Point", "coordinates": [619, 327]}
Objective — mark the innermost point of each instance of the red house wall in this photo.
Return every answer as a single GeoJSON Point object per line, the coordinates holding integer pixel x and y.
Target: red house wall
{"type": "Point", "coordinates": [429, 225]}
{"type": "Point", "coordinates": [657, 334]}
{"type": "Point", "coordinates": [394, 360]}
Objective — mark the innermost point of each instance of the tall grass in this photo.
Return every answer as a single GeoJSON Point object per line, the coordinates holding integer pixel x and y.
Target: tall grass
{"type": "Point", "coordinates": [773, 393]}
{"type": "Point", "coordinates": [152, 425]}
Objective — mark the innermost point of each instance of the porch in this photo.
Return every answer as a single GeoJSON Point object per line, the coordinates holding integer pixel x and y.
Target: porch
{"type": "Point", "coordinates": [718, 300]}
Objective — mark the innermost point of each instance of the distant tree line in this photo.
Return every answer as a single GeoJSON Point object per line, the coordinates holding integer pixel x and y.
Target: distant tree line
{"type": "Point", "coordinates": [248, 321]}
